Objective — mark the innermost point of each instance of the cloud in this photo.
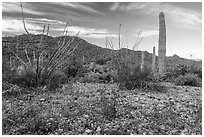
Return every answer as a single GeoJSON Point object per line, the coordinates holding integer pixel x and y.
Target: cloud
{"type": "Point", "coordinates": [188, 18]}
{"type": "Point", "coordinates": [114, 6]}
{"type": "Point", "coordinates": [88, 32]}
{"type": "Point", "coordinates": [149, 33]}
{"type": "Point", "coordinates": [44, 21]}
{"type": "Point", "coordinates": [16, 26]}
{"type": "Point", "coordinates": [78, 6]}
{"type": "Point", "coordinates": [100, 35]}
{"type": "Point", "coordinates": [144, 33]}
{"type": "Point", "coordinates": [34, 26]}
{"type": "Point", "coordinates": [15, 7]}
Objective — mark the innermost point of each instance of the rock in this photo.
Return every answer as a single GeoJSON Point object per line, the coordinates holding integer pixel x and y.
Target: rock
{"type": "Point", "coordinates": [86, 116]}
{"type": "Point", "coordinates": [42, 99]}
{"type": "Point", "coordinates": [88, 131]}
{"type": "Point", "coordinates": [60, 130]}
{"type": "Point", "coordinates": [162, 127]}
{"type": "Point", "coordinates": [98, 129]}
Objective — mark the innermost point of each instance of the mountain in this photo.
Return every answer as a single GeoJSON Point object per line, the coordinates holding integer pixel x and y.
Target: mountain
{"type": "Point", "coordinates": [84, 50]}
{"type": "Point", "coordinates": [175, 60]}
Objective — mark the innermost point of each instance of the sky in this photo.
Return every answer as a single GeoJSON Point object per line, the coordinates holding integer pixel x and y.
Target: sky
{"type": "Point", "coordinates": [98, 21]}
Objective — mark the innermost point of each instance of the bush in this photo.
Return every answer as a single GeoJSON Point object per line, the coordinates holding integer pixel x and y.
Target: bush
{"type": "Point", "coordinates": [75, 69]}
{"type": "Point", "coordinates": [189, 80]}
{"type": "Point", "coordinates": [26, 78]}
{"type": "Point", "coordinates": [56, 80]}
{"type": "Point", "coordinates": [196, 70]}
{"type": "Point", "coordinates": [98, 73]}
{"type": "Point", "coordinates": [131, 78]}
{"type": "Point", "coordinates": [29, 122]}
{"type": "Point", "coordinates": [39, 71]}
{"type": "Point", "coordinates": [103, 61]}
{"type": "Point", "coordinates": [173, 73]}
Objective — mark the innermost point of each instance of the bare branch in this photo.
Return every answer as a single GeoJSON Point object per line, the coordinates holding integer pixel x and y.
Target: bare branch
{"type": "Point", "coordinates": [24, 25]}
{"type": "Point", "coordinates": [138, 40]}
{"type": "Point", "coordinates": [119, 36]}
{"type": "Point", "coordinates": [18, 57]}
{"type": "Point", "coordinates": [26, 52]}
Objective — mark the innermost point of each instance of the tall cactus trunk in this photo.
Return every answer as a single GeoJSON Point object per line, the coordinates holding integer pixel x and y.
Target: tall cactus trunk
{"type": "Point", "coordinates": [153, 60]}
{"type": "Point", "coordinates": [142, 62]}
{"type": "Point", "coordinates": [48, 28]}
{"type": "Point", "coordinates": [162, 44]}
{"type": "Point", "coordinates": [83, 59]}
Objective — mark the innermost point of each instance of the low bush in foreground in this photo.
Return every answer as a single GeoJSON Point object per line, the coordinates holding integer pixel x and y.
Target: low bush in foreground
{"type": "Point", "coordinates": [181, 70]}
{"type": "Point", "coordinates": [41, 69]}
{"type": "Point", "coordinates": [188, 80]}
{"type": "Point", "coordinates": [131, 78]}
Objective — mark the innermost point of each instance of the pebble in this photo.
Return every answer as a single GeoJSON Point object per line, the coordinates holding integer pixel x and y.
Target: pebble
{"type": "Point", "coordinates": [60, 130]}
{"type": "Point", "coordinates": [162, 127]}
{"type": "Point", "coordinates": [86, 116]}
{"type": "Point", "coordinates": [88, 131]}
{"type": "Point", "coordinates": [42, 99]}
{"type": "Point", "coordinates": [98, 129]}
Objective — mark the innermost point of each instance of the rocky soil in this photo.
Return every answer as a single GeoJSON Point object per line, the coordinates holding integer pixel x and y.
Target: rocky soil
{"type": "Point", "coordinates": [78, 109]}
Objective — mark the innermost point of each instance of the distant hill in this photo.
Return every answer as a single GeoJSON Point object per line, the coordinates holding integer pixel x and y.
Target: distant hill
{"type": "Point", "coordinates": [175, 60]}
{"type": "Point", "coordinates": [84, 50]}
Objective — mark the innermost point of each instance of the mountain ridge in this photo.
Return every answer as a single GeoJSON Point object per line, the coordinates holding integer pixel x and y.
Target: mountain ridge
{"type": "Point", "coordinates": [87, 50]}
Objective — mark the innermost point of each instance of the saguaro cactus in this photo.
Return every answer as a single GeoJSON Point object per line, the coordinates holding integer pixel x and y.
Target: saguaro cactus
{"type": "Point", "coordinates": [162, 44]}
{"type": "Point", "coordinates": [142, 61]}
{"type": "Point", "coordinates": [153, 60]}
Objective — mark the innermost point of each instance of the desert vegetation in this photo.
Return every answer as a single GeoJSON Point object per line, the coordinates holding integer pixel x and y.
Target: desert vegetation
{"type": "Point", "coordinates": [52, 86]}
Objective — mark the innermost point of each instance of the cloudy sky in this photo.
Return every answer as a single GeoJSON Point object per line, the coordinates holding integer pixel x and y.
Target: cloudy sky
{"type": "Point", "coordinates": [96, 21]}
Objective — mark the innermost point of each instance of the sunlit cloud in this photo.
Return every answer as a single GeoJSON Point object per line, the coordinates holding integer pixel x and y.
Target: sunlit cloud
{"type": "Point", "coordinates": [187, 17]}
{"type": "Point", "coordinates": [149, 33]}
{"type": "Point", "coordinates": [114, 6]}
{"type": "Point", "coordinates": [88, 32]}
{"type": "Point", "coordinates": [15, 7]}
{"type": "Point", "coordinates": [44, 21]}
{"type": "Point", "coordinates": [78, 6]}
{"type": "Point", "coordinates": [16, 26]}
{"type": "Point", "coordinates": [100, 35]}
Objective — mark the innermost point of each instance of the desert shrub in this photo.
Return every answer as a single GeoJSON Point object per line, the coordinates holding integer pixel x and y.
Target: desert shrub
{"type": "Point", "coordinates": [56, 80]}
{"type": "Point", "coordinates": [175, 72]}
{"type": "Point", "coordinates": [41, 125]}
{"type": "Point", "coordinates": [98, 73]}
{"type": "Point", "coordinates": [8, 73]}
{"type": "Point", "coordinates": [149, 86]}
{"type": "Point", "coordinates": [75, 69]}
{"type": "Point", "coordinates": [196, 70]}
{"type": "Point", "coordinates": [27, 78]}
{"type": "Point", "coordinates": [71, 71]}
{"type": "Point", "coordinates": [108, 103]}
{"type": "Point", "coordinates": [91, 77]}
{"type": "Point", "coordinates": [41, 70]}
{"type": "Point", "coordinates": [199, 73]}
{"type": "Point", "coordinates": [9, 76]}
{"type": "Point", "coordinates": [188, 80]}
{"type": "Point", "coordinates": [182, 69]}
{"type": "Point", "coordinates": [131, 78]}
{"type": "Point", "coordinates": [29, 121]}
{"type": "Point", "coordinates": [103, 61]}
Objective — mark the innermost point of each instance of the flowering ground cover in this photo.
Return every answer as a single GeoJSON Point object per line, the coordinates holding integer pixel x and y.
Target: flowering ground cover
{"type": "Point", "coordinates": [78, 108]}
